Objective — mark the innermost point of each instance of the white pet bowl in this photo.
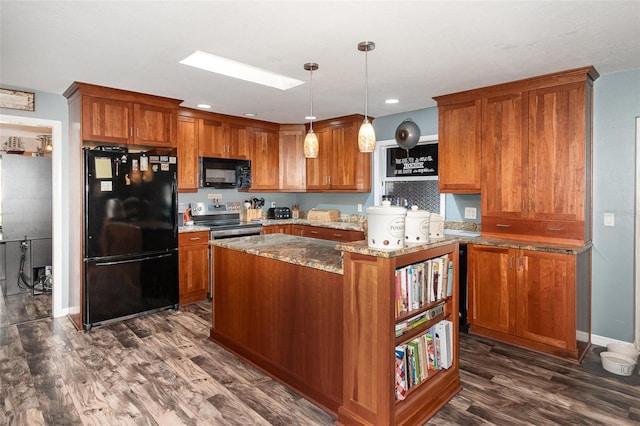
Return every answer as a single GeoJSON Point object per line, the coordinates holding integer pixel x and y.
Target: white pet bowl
{"type": "Point", "coordinates": [624, 349]}
{"type": "Point", "coordinates": [617, 363]}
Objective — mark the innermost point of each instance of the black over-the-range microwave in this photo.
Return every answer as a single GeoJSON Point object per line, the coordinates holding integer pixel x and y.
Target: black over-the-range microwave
{"type": "Point", "coordinates": [225, 173]}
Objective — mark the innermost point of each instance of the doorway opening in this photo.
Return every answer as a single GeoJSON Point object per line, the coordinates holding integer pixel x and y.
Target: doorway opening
{"type": "Point", "coordinates": [55, 130]}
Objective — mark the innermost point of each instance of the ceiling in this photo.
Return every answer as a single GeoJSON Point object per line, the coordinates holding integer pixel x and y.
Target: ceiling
{"type": "Point", "coordinates": [423, 48]}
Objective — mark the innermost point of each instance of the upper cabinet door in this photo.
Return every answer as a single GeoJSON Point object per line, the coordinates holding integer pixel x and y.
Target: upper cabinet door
{"type": "Point", "coordinates": [557, 152]}
{"type": "Point", "coordinates": [459, 147]}
{"type": "Point", "coordinates": [345, 158]}
{"type": "Point", "coordinates": [106, 120]}
{"type": "Point", "coordinates": [154, 126]}
{"type": "Point", "coordinates": [238, 141]}
{"type": "Point", "coordinates": [187, 155]}
{"type": "Point", "coordinates": [504, 157]}
{"type": "Point", "coordinates": [265, 164]}
{"type": "Point", "coordinates": [292, 161]}
{"type": "Point", "coordinates": [212, 138]}
{"type": "Point", "coordinates": [318, 172]}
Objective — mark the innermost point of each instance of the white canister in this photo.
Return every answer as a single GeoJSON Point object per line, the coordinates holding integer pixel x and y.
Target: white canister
{"type": "Point", "coordinates": [386, 226]}
{"type": "Point", "coordinates": [436, 227]}
{"type": "Point", "coordinates": [416, 226]}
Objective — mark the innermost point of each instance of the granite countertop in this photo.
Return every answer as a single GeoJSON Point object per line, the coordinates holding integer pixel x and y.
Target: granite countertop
{"type": "Point", "coordinates": [362, 247]}
{"type": "Point", "coordinates": [352, 226]}
{"type": "Point", "coordinates": [304, 251]}
{"type": "Point", "coordinates": [527, 245]}
{"type": "Point", "coordinates": [193, 228]}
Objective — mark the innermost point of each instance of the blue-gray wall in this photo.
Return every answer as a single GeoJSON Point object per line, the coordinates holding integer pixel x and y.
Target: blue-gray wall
{"type": "Point", "coordinates": [616, 106]}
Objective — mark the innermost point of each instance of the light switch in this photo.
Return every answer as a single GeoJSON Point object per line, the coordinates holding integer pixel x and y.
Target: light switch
{"type": "Point", "coordinates": [609, 219]}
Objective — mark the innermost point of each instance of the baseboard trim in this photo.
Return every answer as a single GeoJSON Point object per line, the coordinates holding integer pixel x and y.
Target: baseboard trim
{"type": "Point", "coordinates": [604, 341]}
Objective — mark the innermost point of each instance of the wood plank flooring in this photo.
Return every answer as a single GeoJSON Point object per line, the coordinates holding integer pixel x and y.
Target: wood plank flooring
{"type": "Point", "coordinates": [161, 369]}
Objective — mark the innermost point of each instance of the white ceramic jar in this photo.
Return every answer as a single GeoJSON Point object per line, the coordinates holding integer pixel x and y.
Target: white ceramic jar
{"type": "Point", "coordinates": [436, 227]}
{"type": "Point", "coordinates": [416, 227]}
{"type": "Point", "coordinates": [386, 225]}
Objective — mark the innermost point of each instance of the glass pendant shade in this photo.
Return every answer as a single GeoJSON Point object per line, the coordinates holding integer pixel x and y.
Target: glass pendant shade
{"type": "Point", "coordinates": [311, 145]}
{"type": "Point", "coordinates": [366, 137]}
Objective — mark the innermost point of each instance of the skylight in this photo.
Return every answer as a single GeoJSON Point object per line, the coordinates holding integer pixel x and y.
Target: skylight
{"type": "Point", "coordinates": [231, 68]}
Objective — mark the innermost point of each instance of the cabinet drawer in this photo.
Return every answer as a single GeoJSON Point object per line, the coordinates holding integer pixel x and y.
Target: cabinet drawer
{"type": "Point", "coordinates": [193, 238]}
{"type": "Point", "coordinates": [551, 231]}
{"type": "Point", "coordinates": [563, 230]}
{"type": "Point", "coordinates": [508, 227]}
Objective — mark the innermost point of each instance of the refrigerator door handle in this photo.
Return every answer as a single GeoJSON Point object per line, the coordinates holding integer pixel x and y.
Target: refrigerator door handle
{"type": "Point", "coordinates": [139, 259]}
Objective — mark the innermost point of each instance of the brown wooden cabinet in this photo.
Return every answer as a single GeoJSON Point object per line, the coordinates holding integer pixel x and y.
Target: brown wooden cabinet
{"type": "Point", "coordinates": [187, 154]}
{"type": "Point", "coordinates": [265, 156]}
{"type": "Point", "coordinates": [459, 146]}
{"type": "Point", "coordinates": [193, 255]}
{"type": "Point", "coordinates": [369, 291]}
{"type": "Point", "coordinates": [536, 299]}
{"type": "Point", "coordinates": [320, 232]}
{"type": "Point", "coordinates": [292, 160]}
{"type": "Point", "coordinates": [323, 233]}
{"type": "Point", "coordinates": [120, 117]}
{"type": "Point", "coordinates": [534, 136]}
{"type": "Point", "coordinates": [277, 229]}
{"type": "Point", "coordinates": [340, 166]}
{"type": "Point", "coordinates": [220, 138]}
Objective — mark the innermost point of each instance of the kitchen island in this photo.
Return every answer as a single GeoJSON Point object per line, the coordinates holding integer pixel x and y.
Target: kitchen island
{"type": "Point", "coordinates": [277, 303]}
{"type": "Point", "coordinates": [319, 317]}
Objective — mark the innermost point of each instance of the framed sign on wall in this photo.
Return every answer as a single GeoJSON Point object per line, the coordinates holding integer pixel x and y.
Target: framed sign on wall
{"type": "Point", "coordinates": [17, 99]}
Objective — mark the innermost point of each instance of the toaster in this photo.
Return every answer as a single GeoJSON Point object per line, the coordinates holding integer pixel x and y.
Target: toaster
{"type": "Point", "coordinates": [279, 213]}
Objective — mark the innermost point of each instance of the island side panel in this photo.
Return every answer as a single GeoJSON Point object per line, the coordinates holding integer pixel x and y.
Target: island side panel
{"type": "Point", "coordinates": [285, 319]}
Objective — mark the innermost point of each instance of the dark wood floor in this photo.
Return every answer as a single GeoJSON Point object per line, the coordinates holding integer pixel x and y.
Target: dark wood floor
{"type": "Point", "coordinates": [162, 370]}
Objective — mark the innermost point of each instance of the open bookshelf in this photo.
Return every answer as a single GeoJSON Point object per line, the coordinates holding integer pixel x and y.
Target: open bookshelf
{"type": "Point", "coordinates": [373, 308]}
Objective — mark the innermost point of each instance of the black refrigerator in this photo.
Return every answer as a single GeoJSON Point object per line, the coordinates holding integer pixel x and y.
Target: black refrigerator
{"type": "Point", "coordinates": [130, 234]}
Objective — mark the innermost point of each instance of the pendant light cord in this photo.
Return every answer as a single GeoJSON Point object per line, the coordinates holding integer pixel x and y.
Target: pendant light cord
{"type": "Point", "coordinates": [311, 96]}
{"type": "Point", "coordinates": [366, 83]}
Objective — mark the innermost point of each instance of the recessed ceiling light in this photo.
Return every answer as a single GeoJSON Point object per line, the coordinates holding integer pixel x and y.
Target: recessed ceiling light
{"type": "Point", "coordinates": [231, 68]}
{"type": "Point", "coordinates": [391, 101]}
{"type": "Point", "coordinates": [310, 117]}
{"type": "Point", "coordinates": [204, 106]}
{"type": "Point", "coordinates": [250, 114]}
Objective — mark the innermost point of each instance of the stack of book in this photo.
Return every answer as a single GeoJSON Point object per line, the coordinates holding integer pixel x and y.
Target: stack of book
{"type": "Point", "coordinates": [423, 356]}
{"type": "Point", "coordinates": [422, 283]}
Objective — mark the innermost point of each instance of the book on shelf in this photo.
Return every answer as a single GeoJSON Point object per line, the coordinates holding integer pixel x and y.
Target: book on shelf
{"type": "Point", "coordinates": [444, 331]}
{"type": "Point", "coordinates": [401, 373]}
{"type": "Point", "coordinates": [449, 278]}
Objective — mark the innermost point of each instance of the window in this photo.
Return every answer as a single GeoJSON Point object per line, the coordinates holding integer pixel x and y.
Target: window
{"type": "Point", "coordinates": [412, 178]}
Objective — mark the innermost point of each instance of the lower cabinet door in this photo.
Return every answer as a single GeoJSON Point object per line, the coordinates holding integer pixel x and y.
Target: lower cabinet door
{"type": "Point", "coordinates": [492, 280]}
{"type": "Point", "coordinates": [546, 299]}
{"type": "Point", "coordinates": [194, 273]}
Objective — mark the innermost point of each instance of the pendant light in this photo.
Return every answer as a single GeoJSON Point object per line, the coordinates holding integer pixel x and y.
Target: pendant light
{"type": "Point", "coordinates": [311, 139]}
{"type": "Point", "coordinates": [366, 135]}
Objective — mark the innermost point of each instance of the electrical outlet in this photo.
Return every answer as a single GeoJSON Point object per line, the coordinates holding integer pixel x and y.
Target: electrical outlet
{"type": "Point", "coordinates": [359, 208]}
{"type": "Point", "coordinates": [214, 196]}
{"type": "Point", "coordinates": [470, 213]}
{"type": "Point", "coordinates": [609, 219]}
